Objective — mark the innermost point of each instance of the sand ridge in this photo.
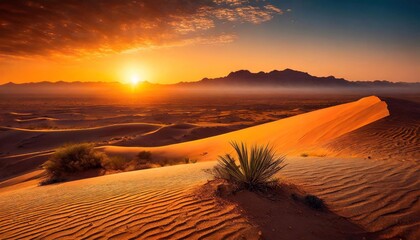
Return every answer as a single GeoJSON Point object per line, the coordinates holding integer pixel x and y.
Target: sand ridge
{"type": "Point", "coordinates": [289, 135]}
{"type": "Point", "coordinates": [395, 137]}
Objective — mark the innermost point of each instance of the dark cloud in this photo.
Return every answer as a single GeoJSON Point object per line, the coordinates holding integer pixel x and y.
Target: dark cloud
{"type": "Point", "coordinates": [74, 27]}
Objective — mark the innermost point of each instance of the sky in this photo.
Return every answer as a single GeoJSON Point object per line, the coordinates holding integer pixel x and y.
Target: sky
{"type": "Point", "coordinates": [164, 41]}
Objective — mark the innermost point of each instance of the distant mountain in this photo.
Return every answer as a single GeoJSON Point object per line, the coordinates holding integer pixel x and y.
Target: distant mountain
{"type": "Point", "coordinates": [291, 78]}
{"type": "Point", "coordinates": [288, 78]}
{"type": "Point", "coordinates": [60, 88]}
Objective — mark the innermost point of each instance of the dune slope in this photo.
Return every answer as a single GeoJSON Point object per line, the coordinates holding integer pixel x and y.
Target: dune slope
{"type": "Point", "coordinates": [395, 137]}
{"type": "Point", "coordinates": [379, 196]}
{"type": "Point", "coordinates": [382, 196]}
{"type": "Point", "coordinates": [17, 140]}
{"type": "Point", "coordinates": [148, 204]}
{"type": "Point", "coordinates": [289, 135]}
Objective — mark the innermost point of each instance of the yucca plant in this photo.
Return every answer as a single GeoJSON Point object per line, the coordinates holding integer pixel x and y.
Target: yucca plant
{"type": "Point", "coordinates": [257, 166]}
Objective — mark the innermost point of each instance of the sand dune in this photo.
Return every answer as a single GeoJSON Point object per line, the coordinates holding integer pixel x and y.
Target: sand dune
{"type": "Point", "coordinates": [20, 114]}
{"type": "Point", "coordinates": [395, 137]}
{"type": "Point", "coordinates": [17, 140]}
{"type": "Point", "coordinates": [154, 203]}
{"type": "Point", "coordinates": [289, 135]}
{"type": "Point", "coordinates": [23, 150]}
{"type": "Point", "coordinates": [37, 119]}
{"type": "Point", "coordinates": [381, 196]}
{"type": "Point", "coordinates": [175, 133]}
{"type": "Point", "coordinates": [380, 193]}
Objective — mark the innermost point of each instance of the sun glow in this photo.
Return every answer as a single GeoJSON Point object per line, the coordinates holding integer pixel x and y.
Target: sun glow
{"type": "Point", "coordinates": [134, 79]}
{"type": "Point", "coordinates": [133, 74]}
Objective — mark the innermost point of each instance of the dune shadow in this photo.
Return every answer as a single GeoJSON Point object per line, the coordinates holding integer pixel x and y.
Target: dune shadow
{"type": "Point", "coordinates": [283, 214]}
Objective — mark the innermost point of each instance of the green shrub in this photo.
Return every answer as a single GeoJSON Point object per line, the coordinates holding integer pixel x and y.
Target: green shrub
{"type": "Point", "coordinates": [256, 169]}
{"type": "Point", "coordinates": [144, 155]}
{"type": "Point", "coordinates": [73, 158]}
{"type": "Point", "coordinates": [115, 163]}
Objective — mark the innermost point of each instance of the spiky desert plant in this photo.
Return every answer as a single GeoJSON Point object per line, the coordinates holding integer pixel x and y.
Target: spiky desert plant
{"type": "Point", "coordinates": [257, 166]}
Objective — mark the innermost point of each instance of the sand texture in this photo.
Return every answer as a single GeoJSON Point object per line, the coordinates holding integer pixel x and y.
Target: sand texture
{"type": "Point", "coordinates": [369, 177]}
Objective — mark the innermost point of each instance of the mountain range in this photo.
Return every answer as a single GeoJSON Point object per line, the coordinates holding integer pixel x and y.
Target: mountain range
{"type": "Point", "coordinates": [287, 78]}
{"type": "Point", "coordinates": [292, 78]}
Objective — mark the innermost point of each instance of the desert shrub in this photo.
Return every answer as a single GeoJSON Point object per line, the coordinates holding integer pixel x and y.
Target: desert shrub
{"type": "Point", "coordinates": [144, 155]}
{"type": "Point", "coordinates": [50, 180]}
{"type": "Point", "coordinates": [170, 161]}
{"type": "Point", "coordinates": [314, 202]}
{"type": "Point", "coordinates": [193, 160]}
{"type": "Point", "coordinates": [163, 162]}
{"type": "Point", "coordinates": [304, 155]}
{"type": "Point", "coordinates": [256, 169]}
{"type": "Point", "coordinates": [73, 158]}
{"type": "Point", "coordinates": [115, 163]}
{"type": "Point", "coordinates": [189, 160]}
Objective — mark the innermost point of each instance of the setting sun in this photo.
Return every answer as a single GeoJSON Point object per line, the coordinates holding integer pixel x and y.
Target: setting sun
{"type": "Point", "coordinates": [134, 80]}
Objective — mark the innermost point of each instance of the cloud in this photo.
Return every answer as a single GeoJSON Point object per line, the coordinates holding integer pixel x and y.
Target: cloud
{"type": "Point", "coordinates": [79, 28]}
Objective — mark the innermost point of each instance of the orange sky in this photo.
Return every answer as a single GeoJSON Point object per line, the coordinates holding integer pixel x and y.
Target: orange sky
{"type": "Point", "coordinates": [191, 63]}
{"type": "Point", "coordinates": [202, 41]}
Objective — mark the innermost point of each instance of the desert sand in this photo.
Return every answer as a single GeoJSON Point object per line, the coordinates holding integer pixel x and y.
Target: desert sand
{"type": "Point", "coordinates": [375, 190]}
{"type": "Point", "coordinates": [289, 136]}
{"type": "Point", "coordinates": [142, 122]}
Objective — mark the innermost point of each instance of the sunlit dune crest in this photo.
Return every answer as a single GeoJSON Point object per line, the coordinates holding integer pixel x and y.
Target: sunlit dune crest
{"type": "Point", "coordinates": [287, 135]}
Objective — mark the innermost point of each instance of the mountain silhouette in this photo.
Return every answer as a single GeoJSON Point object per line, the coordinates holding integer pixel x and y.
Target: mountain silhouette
{"type": "Point", "coordinates": [291, 78]}
{"type": "Point", "coordinates": [287, 78]}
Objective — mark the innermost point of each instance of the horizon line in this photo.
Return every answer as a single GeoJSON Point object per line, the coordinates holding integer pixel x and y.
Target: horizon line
{"type": "Point", "coordinates": [181, 82]}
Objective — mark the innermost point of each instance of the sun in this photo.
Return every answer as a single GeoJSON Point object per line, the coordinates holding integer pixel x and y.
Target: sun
{"type": "Point", "coordinates": [134, 79]}
{"type": "Point", "coordinates": [134, 75]}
